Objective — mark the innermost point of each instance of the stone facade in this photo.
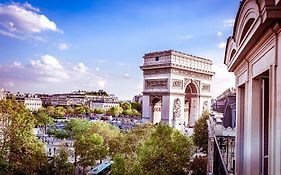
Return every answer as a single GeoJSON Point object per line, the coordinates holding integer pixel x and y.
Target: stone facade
{"type": "Point", "coordinates": [176, 87]}
{"type": "Point", "coordinates": [253, 54]}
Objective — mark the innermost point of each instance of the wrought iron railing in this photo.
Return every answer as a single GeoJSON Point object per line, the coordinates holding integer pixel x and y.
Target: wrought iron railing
{"type": "Point", "coordinates": [220, 167]}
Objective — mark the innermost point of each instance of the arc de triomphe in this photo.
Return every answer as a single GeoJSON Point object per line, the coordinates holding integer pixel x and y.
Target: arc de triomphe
{"type": "Point", "coordinates": [176, 87]}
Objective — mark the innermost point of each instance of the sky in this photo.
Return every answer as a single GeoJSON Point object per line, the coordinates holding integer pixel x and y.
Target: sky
{"type": "Point", "coordinates": [59, 46]}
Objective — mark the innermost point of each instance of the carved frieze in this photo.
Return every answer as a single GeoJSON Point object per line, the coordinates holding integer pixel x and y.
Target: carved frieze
{"type": "Point", "coordinates": [205, 87]}
{"type": "Point", "coordinates": [177, 84]}
{"type": "Point", "coordinates": [156, 84]}
{"type": "Point", "coordinates": [177, 108]}
{"type": "Point", "coordinates": [192, 74]}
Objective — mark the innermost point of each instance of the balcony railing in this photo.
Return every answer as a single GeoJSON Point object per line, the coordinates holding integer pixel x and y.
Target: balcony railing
{"type": "Point", "coordinates": [220, 167]}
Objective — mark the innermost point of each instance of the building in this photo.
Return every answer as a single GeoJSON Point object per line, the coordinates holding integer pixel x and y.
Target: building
{"type": "Point", "coordinates": [103, 105]}
{"type": "Point", "coordinates": [176, 87]}
{"type": "Point", "coordinates": [253, 53]}
{"type": "Point", "coordinates": [137, 98]}
{"type": "Point", "coordinates": [226, 104]}
{"type": "Point", "coordinates": [221, 147]}
{"type": "Point", "coordinates": [31, 102]}
{"type": "Point", "coordinates": [81, 98]}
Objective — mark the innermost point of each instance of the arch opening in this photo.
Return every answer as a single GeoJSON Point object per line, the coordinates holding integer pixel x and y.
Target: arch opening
{"type": "Point", "coordinates": [156, 108]}
{"type": "Point", "coordinates": [191, 104]}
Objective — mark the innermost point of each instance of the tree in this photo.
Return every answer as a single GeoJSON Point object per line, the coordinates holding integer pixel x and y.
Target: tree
{"type": "Point", "coordinates": [50, 110]}
{"type": "Point", "coordinates": [127, 112]}
{"type": "Point", "coordinates": [43, 119]}
{"type": "Point", "coordinates": [99, 111]}
{"type": "Point", "coordinates": [20, 151]}
{"type": "Point", "coordinates": [75, 128]}
{"type": "Point", "coordinates": [200, 136]}
{"type": "Point", "coordinates": [90, 148]}
{"type": "Point", "coordinates": [59, 112]}
{"type": "Point", "coordinates": [158, 150]}
{"type": "Point", "coordinates": [137, 106]}
{"type": "Point", "coordinates": [115, 111]}
{"type": "Point", "coordinates": [135, 113]}
{"type": "Point", "coordinates": [60, 165]}
{"type": "Point", "coordinates": [199, 166]}
{"type": "Point", "coordinates": [126, 106]}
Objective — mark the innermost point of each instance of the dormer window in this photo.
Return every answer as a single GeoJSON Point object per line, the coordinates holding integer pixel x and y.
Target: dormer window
{"type": "Point", "coordinates": [156, 58]}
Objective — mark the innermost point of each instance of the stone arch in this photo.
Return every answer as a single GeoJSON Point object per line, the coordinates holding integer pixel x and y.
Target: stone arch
{"type": "Point", "coordinates": [244, 22]}
{"type": "Point", "coordinates": [155, 108]}
{"type": "Point", "coordinates": [231, 48]}
{"type": "Point", "coordinates": [191, 104]}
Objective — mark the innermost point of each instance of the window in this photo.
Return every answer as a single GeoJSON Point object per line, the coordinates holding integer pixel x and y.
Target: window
{"type": "Point", "coordinates": [156, 58]}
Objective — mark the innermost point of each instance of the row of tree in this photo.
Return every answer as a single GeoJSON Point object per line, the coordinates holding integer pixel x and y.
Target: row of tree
{"type": "Point", "coordinates": [145, 149]}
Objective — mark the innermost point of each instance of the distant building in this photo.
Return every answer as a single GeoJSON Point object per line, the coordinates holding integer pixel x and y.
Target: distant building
{"type": "Point", "coordinates": [226, 104]}
{"type": "Point", "coordinates": [31, 102]}
{"type": "Point", "coordinates": [137, 98]}
{"type": "Point", "coordinates": [103, 105]}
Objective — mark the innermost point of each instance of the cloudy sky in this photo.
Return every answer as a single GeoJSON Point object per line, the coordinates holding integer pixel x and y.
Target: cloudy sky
{"type": "Point", "coordinates": [56, 46]}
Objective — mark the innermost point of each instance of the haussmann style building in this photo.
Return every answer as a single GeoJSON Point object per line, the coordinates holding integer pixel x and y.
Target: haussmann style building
{"type": "Point", "coordinates": [253, 53]}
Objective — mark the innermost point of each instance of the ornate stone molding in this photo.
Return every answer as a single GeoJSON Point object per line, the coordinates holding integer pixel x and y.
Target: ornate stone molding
{"type": "Point", "coordinates": [177, 108]}
{"type": "Point", "coordinates": [156, 84]}
{"type": "Point", "coordinates": [191, 74]}
{"type": "Point", "coordinates": [205, 87]}
{"type": "Point", "coordinates": [177, 84]}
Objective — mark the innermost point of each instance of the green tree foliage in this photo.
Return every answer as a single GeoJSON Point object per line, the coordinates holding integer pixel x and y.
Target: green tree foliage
{"type": "Point", "coordinates": [135, 113]}
{"type": "Point", "coordinates": [126, 106]}
{"type": "Point", "coordinates": [199, 166]}
{"type": "Point", "coordinates": [59, 112]}
{"type": "Point", "coordinates": [50, 110]}
{"type": "Point", "coordinates": [77, 127]}
{"type": "Point", "coordinates": [159, 150]}
{"type": "Point", "coordinates": [60, 165]}
{"type": "Point", "coordinates": [115, 111]}
{"type": "Point", "coordinates": [90, 148]}
{"type": "Point", "coordinates": [20, 150]}
{"type": "Point", "coordinates": [200, 136]}
{"type": "Point", "coordinates": [137, 106]}
{"type": "Point", "coordinates": [127, 112]}
{"type": "Point", "coordinates": [99, 111]}
{"type": "Point", "coordinates": [43, 119]}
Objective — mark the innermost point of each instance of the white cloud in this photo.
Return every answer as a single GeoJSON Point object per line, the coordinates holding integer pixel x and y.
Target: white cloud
{"type": "Point", "coordinates": [50, 68]}
{"type": "Point", "coordinates": [219, 33]}
{"type": "Point", "coordinates": [222, 45]}
{"type": "Point", "coordinates": [228, 22]}
{"type": "Point", "coordinates": [101, 83]}
{"type": "Point", "coordinates": [17, 64]}
{"type": "Point", "coordinates": [221, 80]}
{"type": "Point", "coordinates": [62, 46]}
{"type": "Point", "coordinates": [126, 75]}
{"type": "Point", "coordinates": [80, 67]}
{"type": "Point", "coordinates": [22, 21]}
{"type": "Point", "coordinates": [97, 69]}
{"type": "Point", "coordinates": [48, 74]}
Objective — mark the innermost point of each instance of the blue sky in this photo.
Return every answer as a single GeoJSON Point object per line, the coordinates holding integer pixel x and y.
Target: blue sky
{"type": "Point", "coordinates": [53, 46]}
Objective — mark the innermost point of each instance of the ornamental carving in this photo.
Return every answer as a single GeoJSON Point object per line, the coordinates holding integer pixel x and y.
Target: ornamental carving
{"type": "Point", "coordinates": [205, 87]}
{"type": "Point", "coordinates": [192, 74]}
{"type": "Point", "coordinates": [156, 83]}
{"type": "Point", "coordinates": [177, 84]}
{"type": "Point", "coordinates": [177, 108]}
{"type": "Point", "coordinates": [187, 81]}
